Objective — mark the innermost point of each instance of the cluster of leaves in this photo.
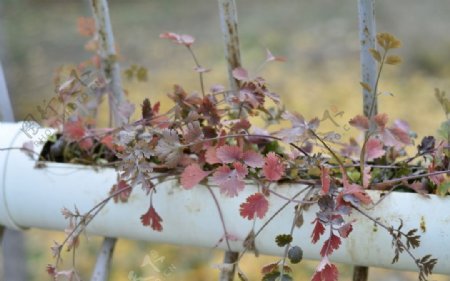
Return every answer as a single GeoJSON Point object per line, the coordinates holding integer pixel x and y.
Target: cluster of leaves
{"type": "Point", "coordinates": [210, 138]}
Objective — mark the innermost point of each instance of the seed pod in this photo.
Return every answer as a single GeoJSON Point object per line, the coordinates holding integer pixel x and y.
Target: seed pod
{"type": "Point", "coordinates": [295, 254]}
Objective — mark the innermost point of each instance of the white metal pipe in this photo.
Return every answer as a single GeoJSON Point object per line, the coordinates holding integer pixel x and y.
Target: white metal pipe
{"type": "Point", "coordinates": [33, 197]}
{"type": "Point", "coordinates": [229, 26]}
{"type": "Point", "coordinates": [6, 111]}
{"type": "Point", "coordinates": [367, 33]}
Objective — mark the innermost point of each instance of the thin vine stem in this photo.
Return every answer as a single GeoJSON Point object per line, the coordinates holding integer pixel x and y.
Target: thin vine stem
{"type": "Point", "coordinates": [222, 219]}
{"type": "Point", "coordinates": [273, 217]}
{"type": "Point", "coordinates": [286, 250]}
{"type": "Point", "coordinates": [194, 57]}
{"type": "Point", "coordinates": [390, 230]}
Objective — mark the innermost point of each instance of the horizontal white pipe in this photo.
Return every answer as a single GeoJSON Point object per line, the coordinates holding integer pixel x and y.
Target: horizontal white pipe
{"type": "Point", "coordinates": [34, 197]}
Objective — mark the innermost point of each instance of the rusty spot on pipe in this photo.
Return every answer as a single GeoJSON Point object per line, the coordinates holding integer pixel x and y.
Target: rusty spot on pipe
{"type": "Point", "coordinates": [423, 226]}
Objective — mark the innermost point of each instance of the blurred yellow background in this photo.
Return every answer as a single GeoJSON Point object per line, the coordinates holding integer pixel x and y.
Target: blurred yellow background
{"type": "Point", "coordinates": [318, 38]}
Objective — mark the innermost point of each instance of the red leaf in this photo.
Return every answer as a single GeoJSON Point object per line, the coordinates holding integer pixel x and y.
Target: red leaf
{"type": "Point", "coordinates": [255, 205]}
{"type": "Point", "coordinates": [400, 130]}
{"type": "Point", "coordinates": [152, 219]}
{"type": "Point", "coordinates": [253, 159]}
{"type": "Point", "coordinates": [366, 177]}
{"type": "Point", "coordinates": [51, 270]}
{"type": "Point", "coordinates": [351, 149]}
{"type": "Point", "coordinates": [86, 143]}
{"type": "Point", "coordinates": [122, 191]}
{"type": "Point", "coordinates": [240, 74]}
{"type": "Point", "coordinates": [156, 107]}
{"type": "Point", "coordinates": [374, 149]}
{"type": "Point", "coordinates": [192, 175]}
{"type": "Point", "coordinates": [273, 167]}
{"type": "Point", "coordinates": [182, 39]}
{"type": "Point", "coordinates": [330, 245]}
{"type": "Point", "coordinates": [381, 120]}
{"type": "Point", "coordinates": [271, 57]}
{"type": "Point", "coordinates": [360, 122]}
{"type": "Point", "coordinates": [108, 141]}
{"type": "Point", "coordinates": [229, 154]}
{"type": "Point", "coordinates": [211, 155]}
{"type": "Point", "coordinates": [319, 229]}
{"type": "Point", "coordinates": [325, 179]}
{"type": "Point", "coordinates": [241, 125]}
{"type": "Point", "coordinates": [345, 230]}
{"type": "Point", "coordinates": [326, 272]}
{"type": "Point", "coordinates": [86, 26]}
{"type": "Point", "coordinates": [230, 181]}
{"type": "Point", "coordinates": [74, 130]}
{"type": "Point", "coordinates": [352, 192]}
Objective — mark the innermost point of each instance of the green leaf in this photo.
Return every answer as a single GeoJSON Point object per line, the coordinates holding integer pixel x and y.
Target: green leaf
{"type": "Point", "coordinates": [141, 74]}
{"type": "Point", "coordinates": [354, 175]}
{"type": "Point", "coordinates": [273, 146]}
{"type": "Point", "coordinates": [283, 239]}
{"type": "Point", "coordinates": [275, 276]}
{"type": "Point", "coordinates": [443, 188]}
{"type": "Point", "coordinates": [444, 130]}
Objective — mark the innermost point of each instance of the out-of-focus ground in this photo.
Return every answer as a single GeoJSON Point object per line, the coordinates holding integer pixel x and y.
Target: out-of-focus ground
{"type": "Point", "coordinates": [318, 38]}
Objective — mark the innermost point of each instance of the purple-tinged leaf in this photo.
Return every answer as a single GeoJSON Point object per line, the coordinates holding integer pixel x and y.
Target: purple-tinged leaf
{"type": "Point", "coordinates": [240, 74]}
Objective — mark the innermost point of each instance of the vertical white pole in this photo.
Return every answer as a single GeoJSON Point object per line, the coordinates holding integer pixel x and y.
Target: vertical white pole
{"type": "Point", "coordinates": [6, 112]}
{"type": "Point", "coordinates": [111, 69]}
{"type": "Point", "coordinates": [229, 25]}
{"type": "Point", "coordinates": [103, 264]}
{"type": "Point", "coordinates": [367, 33]}
{"type": "Point", "coordinates": [12, 241]}
{"type": "Point", "coordinates": [108, 55]}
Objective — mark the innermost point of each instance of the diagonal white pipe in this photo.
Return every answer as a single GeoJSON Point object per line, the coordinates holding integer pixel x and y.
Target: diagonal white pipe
{"type": "Point", "coordinates": [32, 197]}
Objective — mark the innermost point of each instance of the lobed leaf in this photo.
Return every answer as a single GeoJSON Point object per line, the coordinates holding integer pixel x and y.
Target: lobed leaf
{"type": "Point", "coordinates": [374, 149]}
{"type": "Point", "coordinates": [318, 230]}
{"type": "Point", "coordinates": [273, 168]}
{"type": "Point", "coordinates": [330, 245]}
{"type": "Point", "coordinates": [240, 74]}
{"type": "Point", "coordinates": [256, 205]}
{"type": "Point", "coordinates": [169, 148]}
{"type": "Point", "coordinates": [283, 239]}
{"type": "Point", "coordinates": [230, 181]}
{"type": "Point", "coordinates": [151, 218]}
{"type": "Point", "coordinates": [192, 175]}
{"type": "Point", "coordinates": [360, 122]}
